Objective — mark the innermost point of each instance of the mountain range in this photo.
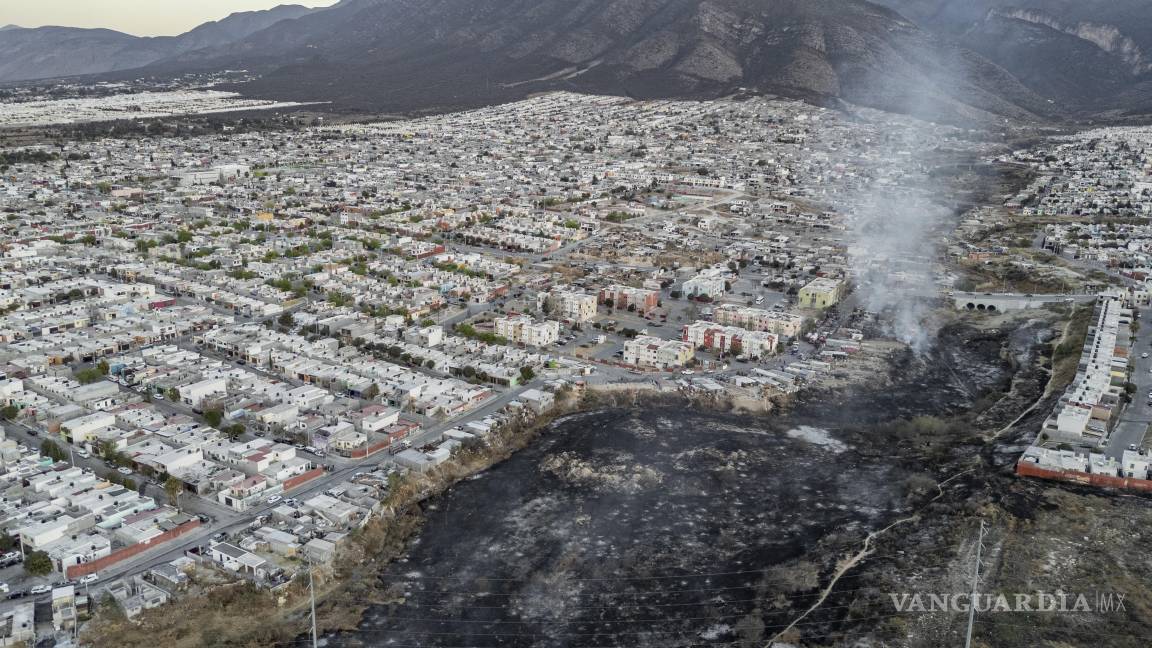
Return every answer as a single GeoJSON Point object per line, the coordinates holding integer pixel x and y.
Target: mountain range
{"type": "Point", "coordinates": [951, 59]}
{"type": "Point", "coordinates": [1085, 56]}
{"type": "Point", "coordinates": [50, 52]}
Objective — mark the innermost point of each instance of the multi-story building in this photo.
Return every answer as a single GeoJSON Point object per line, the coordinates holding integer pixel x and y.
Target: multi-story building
{"type": "Point", "coordinates": [821, 293]}
{"type": "Point", "coordinates": [621, 297]}
{"type": "Point", "coordinates": [648, 351]}
{"type": "Point", "coordinates": [758, 319]}
{"type": "Point", "coordinates": [524, 330]}
{"type": "Point", "coordinates": [705, 286]}
{"type": "Point", "coordinates": [730, 339]}
{"type": "Point", "coordinates": [568, 305]}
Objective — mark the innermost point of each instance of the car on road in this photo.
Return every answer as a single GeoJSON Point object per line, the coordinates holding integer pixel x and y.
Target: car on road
{"type": "Point", "coordinates": [83, 453]}
{"type": "Point", "coordinates": [4, 588]}
{"type": "Point", "coordinates": [1143, 355]}
{"type": "Point", "coordinates": [124, 471]}
{"type": "Point", "coordinates": [1132, 447]}
{"type": "Point", "coordinates": [274, 499]}
{"type": "Point", "coordinates": [90, 578]}
{"type": "Point", "coordinates": [18, 594]}
{"type": "Point", "coordinates": [40, 589]}
{"type": "Point", "coordinates": [9, 556]}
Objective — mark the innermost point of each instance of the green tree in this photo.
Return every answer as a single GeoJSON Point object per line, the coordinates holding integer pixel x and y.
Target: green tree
{"type": "Point", "coordinates": [9, 412]}
{"type": "Point", "coordinates": [213, 417]}
{"type": "Point", "coordinates": [103, 367]}
{"type": "Point", "coordinates": [37, 563]}
{"type": "Point", "coordinates": [88, 375]}
{"type": "Point", "coordinates": [173, 394]}
{"type": "Point", "coordinates": [234, 431]}
{"type": "Point", "coordinates": [527, 374]}
{"type": "Point", "coordinates": [108, 450]}
{"type": "Point", "coordinates": [48, 448]}
{"type": "Point", "coordinates": [172, 488]}
{"type": "Point", "coordinates": [286, 319]}
{"type": "Point", "coordinates": [109, 608]}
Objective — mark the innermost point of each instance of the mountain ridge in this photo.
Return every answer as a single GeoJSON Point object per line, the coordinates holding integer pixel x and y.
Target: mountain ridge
{"type": "Point", "coordinates": [29, 53]}
{"type": "Point", "coordinates": [408, 55]}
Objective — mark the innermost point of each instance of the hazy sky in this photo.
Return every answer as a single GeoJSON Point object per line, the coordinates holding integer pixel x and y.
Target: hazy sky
{"type": "Point", "coordinates": [140, 17]}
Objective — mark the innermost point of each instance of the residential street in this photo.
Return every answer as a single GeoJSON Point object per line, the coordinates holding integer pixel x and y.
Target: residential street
{"type": "Point", "coordinates": [1134, 422]}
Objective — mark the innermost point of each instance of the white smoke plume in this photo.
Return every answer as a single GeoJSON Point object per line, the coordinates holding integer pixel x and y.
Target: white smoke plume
{"type": "Point", "coordinates": [892, 252]}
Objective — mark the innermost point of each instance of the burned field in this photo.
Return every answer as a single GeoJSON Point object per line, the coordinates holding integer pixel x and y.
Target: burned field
{"type": "Point", "coordinates": [653, 528]}
{"type": "Point", "coordinates": [674, 527]}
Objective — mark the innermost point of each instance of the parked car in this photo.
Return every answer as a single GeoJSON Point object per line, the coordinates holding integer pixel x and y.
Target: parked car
{"type": "Point", "coordinates": [90, 578]}
{"type": "Point", "coordinates": [83, 453]}
{"type": "Point", "coordinates": [4, 588]}
{"type": "Point", "coordinates": [124, 471]}
{"type": "Point", "coordinates": [40, 589]}
{"type": "Point", "coordinates": [274, 499]}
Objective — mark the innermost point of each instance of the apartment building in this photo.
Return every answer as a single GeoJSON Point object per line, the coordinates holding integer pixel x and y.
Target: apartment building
{"type": "Point", "coordinates": [524, 330]}
{"type": "Point", "coordinates": [648, 351]}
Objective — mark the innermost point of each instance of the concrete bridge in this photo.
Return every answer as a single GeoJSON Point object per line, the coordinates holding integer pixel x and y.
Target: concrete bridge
{"type": "Point", "coordinates": [993, 302]}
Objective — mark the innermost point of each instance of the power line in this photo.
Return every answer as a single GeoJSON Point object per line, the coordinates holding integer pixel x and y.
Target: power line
{"type": "Point", "coordinates": [312, 596]}
{"type": "Point", "coordinates": [975, 586]}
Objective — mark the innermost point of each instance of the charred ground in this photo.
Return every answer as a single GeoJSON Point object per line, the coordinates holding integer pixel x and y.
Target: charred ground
{"type": "Point", "coordinates": [671, 527]}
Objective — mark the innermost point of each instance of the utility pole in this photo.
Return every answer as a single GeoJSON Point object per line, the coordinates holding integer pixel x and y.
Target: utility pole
{"type": "Point", "coordinates": [975, 587]}
{"type": "Point", "coordinates": [312, 595]}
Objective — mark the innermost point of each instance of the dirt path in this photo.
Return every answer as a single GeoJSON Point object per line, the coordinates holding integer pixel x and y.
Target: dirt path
{"type": "Point", "coordinates": [855, 559]}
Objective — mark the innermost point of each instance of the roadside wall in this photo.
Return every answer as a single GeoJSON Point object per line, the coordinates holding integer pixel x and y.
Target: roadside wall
{"type": "Point", "coordinates": [301, 479]}
{"type": "Point", "coordinates": [1029, 469]}
{"type": "Point", "coordinates": [76, 571]}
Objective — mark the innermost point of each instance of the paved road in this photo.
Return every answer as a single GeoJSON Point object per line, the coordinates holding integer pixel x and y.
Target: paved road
{"type": "Point", "coordinates": [1136, 417]}
{"type": "Point", "coordinates": [227, 520]}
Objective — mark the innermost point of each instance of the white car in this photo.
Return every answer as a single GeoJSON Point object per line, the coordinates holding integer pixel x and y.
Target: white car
{"type": "Point", "coordinates": [1143, 355]}
{"type": "Point", "coordinates": [124, 471]}
{"type": "Point", "coordinates": [83, 453]}
{"type": "Point", "coordinates": [40, 589]}
{"type": "Point", "coordinates": [90, 578]}
{"type": "Point", "coordinates": [274, 499]}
